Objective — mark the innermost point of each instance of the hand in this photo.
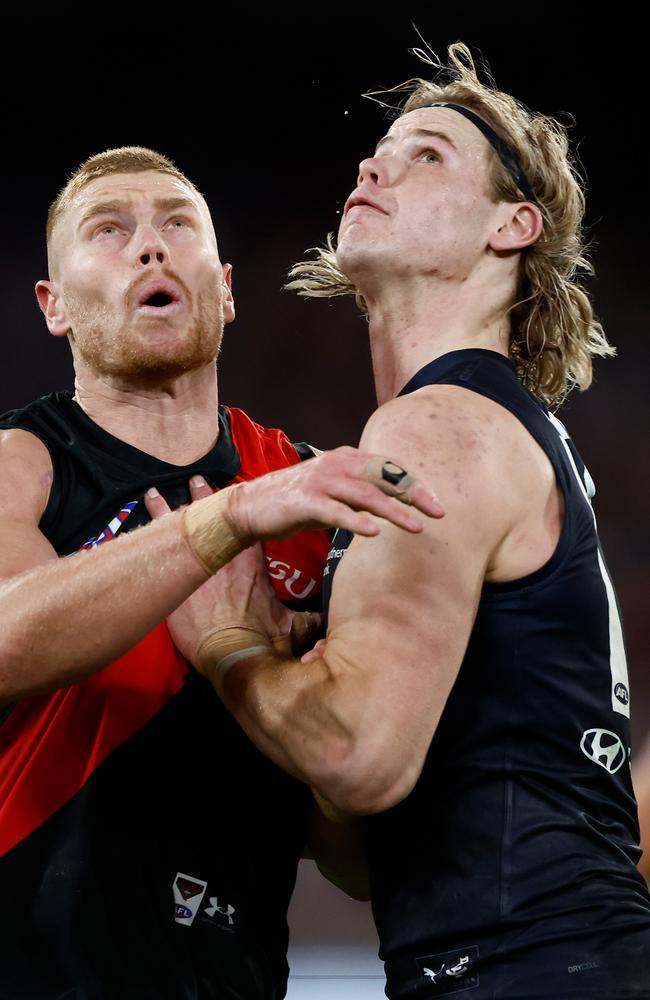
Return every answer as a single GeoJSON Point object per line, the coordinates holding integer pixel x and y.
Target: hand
{"type": "Point", "coordinates": [240, 595]}
{"type": "Point", "coordinates": [341, 488]}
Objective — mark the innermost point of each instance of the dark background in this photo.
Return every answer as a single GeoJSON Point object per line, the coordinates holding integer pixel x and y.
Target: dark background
{"type": "Point", "coordinates": [263, 111]}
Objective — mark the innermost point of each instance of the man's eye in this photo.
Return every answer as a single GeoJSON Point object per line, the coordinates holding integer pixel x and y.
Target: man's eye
{"type": "Point", "coordinates": [108, 229]}
{"type": "Point", "coordinates": [430, 156]}
{"type": "Point", "coordinates": [177, 224]}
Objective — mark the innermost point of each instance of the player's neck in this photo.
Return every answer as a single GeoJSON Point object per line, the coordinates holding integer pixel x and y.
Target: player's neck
{"type": "Point", "coordinates": [411, 326]}
{"type": "Point", "coordinates": [176, 422]}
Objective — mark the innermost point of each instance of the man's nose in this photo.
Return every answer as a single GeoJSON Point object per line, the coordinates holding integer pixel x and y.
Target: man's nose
{"type": "Point", "coordinates": [150, 248]}
{"type": "Point", "coordinates": [381, 170]}
{"type": "Point", "coordinates": [369, 170]}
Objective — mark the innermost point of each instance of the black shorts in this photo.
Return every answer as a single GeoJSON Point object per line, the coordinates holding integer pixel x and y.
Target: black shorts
{"type": "Point", "coordinates": [607, 965]}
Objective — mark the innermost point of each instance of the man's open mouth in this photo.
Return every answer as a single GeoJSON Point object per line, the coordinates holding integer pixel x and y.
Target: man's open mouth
{"type": "Point", "coordinates": [158, 296]}
{"type": "Point", "coordinates": [158, 299]}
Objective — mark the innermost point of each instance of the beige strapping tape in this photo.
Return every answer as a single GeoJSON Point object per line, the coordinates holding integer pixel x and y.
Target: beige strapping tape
{"type": "Point", "coordinates": [210, 531]}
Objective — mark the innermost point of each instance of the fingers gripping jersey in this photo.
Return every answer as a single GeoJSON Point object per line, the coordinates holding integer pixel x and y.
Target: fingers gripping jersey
{"type": "Point", "coordinates": [147, 849]}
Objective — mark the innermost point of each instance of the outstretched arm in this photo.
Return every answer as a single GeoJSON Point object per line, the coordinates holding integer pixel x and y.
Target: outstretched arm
{"type": "Point", "coordinates": [55, 629]}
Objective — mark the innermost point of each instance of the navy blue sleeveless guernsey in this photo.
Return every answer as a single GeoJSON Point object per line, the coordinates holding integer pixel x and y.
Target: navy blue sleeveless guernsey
{"type": "Point", "coordinates": [509, 871]}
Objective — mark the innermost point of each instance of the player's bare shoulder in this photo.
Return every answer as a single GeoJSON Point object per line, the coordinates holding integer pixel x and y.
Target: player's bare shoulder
{"type": "Point", "coordinates": [491, 475]}
{"type": "Point", "coordinates": [25, 475]}
{"type": "Point", "coordinates": [449, 428]}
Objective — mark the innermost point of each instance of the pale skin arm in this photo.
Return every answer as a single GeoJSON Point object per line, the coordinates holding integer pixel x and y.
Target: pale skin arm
{"type": "Point", "coordinates": [54, 631]}
{"type": "Point", "coordinates": [641, 779]}
{"type": "Point", "coordinates": [336, 842]}
{"type": "Point", "coordinates": [356, 722]}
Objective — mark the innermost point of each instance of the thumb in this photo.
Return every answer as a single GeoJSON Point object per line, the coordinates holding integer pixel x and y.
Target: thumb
{"type": "Point", "coordinates": [316, 653]}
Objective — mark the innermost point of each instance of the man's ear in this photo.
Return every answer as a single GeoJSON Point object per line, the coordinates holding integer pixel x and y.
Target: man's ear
{"type": "Point", "coordinates": [521, 225]}
{"type": "Point", "coordinates": [52, 307]}
{"type": "Point", "coordinates": [228, 300]}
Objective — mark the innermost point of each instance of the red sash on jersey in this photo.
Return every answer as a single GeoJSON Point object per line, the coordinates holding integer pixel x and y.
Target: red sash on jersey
{"type": "Point", "coordinates": [51, 744]}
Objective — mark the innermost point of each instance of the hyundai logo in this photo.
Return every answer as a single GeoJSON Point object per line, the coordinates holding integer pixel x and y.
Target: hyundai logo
{"type": "Point", "coordinates": [603, 748]}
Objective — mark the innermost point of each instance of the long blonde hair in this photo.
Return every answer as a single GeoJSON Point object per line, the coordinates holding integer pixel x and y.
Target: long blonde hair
{"type": "Point", "coordinates": [554, 333]}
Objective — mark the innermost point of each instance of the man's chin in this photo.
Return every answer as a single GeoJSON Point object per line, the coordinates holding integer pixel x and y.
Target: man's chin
{"type": "Point", "coordinates": [150, 368]}
{"type": "Point", "coordinates": [357, 259]}
{"type": "Point", "coordinates": [154, 369]}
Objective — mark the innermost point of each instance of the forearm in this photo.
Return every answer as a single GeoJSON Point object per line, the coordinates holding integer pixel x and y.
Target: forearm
{"type": "Point", "coordinates": [644, 864]}
{"type": "Point", "coordinates": [315, 721]}
{"type": "Point", "coordinates": [642, 787]}
{"type": "Point", "coordinates": [343, 722]}
{"type": "Point", "coordinates": [66, 618]}
{"type": "Point", "coordinates": [283, 707]}
{"type": "Point", "coordinates": [335, 838]}
{"type": "Point", "coordinates": [337, 844]}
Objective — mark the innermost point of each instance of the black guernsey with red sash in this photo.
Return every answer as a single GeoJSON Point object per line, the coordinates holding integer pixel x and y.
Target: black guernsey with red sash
{"type": "Point", "coordinates": [147, 849]}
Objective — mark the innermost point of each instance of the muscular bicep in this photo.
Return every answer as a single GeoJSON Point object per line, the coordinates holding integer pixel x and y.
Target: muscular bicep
{"type": "Point", "coordinates": [400, 618]}
{"type": "Point", "coordinates": [25, 481]}
{"type": "Point", "coordinates": [402, 608]}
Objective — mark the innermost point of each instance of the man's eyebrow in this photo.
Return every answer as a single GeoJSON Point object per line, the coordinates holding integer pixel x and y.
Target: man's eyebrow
{"type": "Point", "coordinates": [421, 133]}
{"type": "Point", "coordinates": [101, 208]}
{"type": "Point", "coordinates": [116, 206]}
{"type": "Point", "coordinates": [173, 204]}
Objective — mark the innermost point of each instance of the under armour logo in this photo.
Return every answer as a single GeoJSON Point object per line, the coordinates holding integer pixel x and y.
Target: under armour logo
{"type": "Point", "coordinates": [604, 748]}
{"type": "Point", "coordinates": [226, 911]}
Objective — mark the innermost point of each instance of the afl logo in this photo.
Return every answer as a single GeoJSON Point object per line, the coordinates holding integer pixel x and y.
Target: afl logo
{"type": "Point", "coordinates": [603, 748]}
{"type": "Point", "coordinates": [621, 693]}
{"type": "Point", "coordinates": [182, 912]}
